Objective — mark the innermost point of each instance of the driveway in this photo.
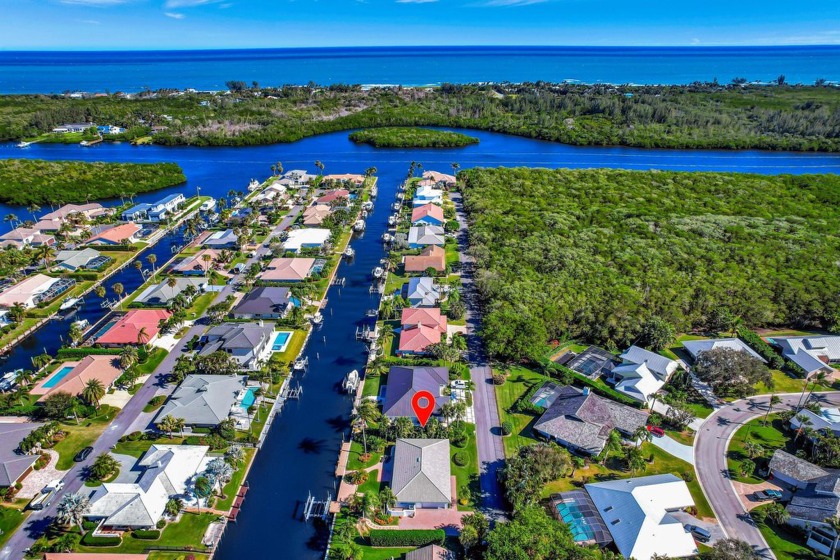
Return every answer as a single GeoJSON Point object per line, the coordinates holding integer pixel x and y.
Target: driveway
{"type": "Point", "coordinates": [675, 448]}
{"type": "Point", "coordinates": [710, 447]}
{"type": "Point", "coordinates": [711, 526]}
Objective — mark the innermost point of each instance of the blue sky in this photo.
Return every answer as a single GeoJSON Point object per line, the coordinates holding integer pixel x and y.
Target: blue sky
{"type": "Point", "coordinates": [163, 24]}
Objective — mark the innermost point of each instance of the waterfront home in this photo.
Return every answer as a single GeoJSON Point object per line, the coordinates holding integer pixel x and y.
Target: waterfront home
{"type": "Point", "coordinates": [421, 236]}
{"type": "Point", "coordinates": [204, 400]}
{"type": "Point", "coordinates": [73, 127]}
{"type": "Point", "coordinates": [405, 381]}
{"type": "Point", "coordinates": [426, 316]}
{"type": "Point", "coordinates": [88, 211]}
{"type": "Point", "coordinates": [93, 556]}
{"type": "Point", "coordinates": [266, 302]}
{"type": "Point", "coordinates": [315, 215]}
{"type": "Point", "coordinates": [166, 472]}
{"type": "Point", "coordinates": [582, 421]}
{"type": "Point", "coordinates": [275, 191]}
{"type": "Point", "coordinates": [71, 377]}
{"type": "Point", "coordinates": [440, 178]}
{"type": "Point", "coordinates": [110, 129]}
{"type": "Point", "coordinates": [427, 195]}
{"type": "Point", "coordinates": [33, 290]}
{"type": "Point", "coordinates": [416, 338]}
{"type": "Point", "coordinates": [422, 477]}
{"type": "Point", "coordinates": [137, 327]}
{"type": "Point", "coordinates": [422, 292]}
{"type": "Point", "coordinates": [296, 178]}
{"type": "Point", "coordinates": [638, 512]}
{"type": "Point", "coordinates": [641, 373]}
{"type": "Point", "coordinates": [247, 343]}
{"type": "Point", "coordinates": [333, 196]}
{"type": "Point", "coordinates": [811, 353]}
{"type": "Point", "coordinates": [432, 256]}
{"type": "Point", "coordinates": [226, 239]}
{"type": "Point", "coordinates": [15, 466]}
{"type": "Point", "coordinates": [22, 237]}
{"type": "Point", "coordinates": [196, 264]}
{"type": "Point", "coordinates": [816, 498]}
{"type": "Point", "coordinates": [427, 214]}
{"type": "Point", "coordinates": [307, 238]}
{"type": "Point", "coordinates": [90, 259]}
{"type": "Point", "coordinates": [285, 269]}
{"type": "Point", "coordinates": [124, 234]}
{"type": "Point", "coordinates": [825, 420]}
{"type": "Point", "coordinates": [154, 212]}
{"type": "Point", "coordinates": [162, 294]}
{"type": "Point", "coordinates": [697, 347]}
{"type": "Point", "coordinates": [353, 178]}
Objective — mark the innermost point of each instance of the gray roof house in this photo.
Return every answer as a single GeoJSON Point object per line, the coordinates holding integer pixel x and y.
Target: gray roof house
{"type": "Point", "coordinates": [422, 292]}
{"type": "Point", "coordinates": [792, 470]}
{"type": "Point", "coordinates": [248, 343]}
{"type": "Point", "coordinates": [84, 258]}
{"type": "Point", "coordinates": [422, 475]}
{"type": "Point", "coordinates": [696, 347]}
{"type": "Point", "coordinates": [264, 303]}
{"type": "Point", "coordinates": [405, 381]}
{"type": "Point", "coordinates": [162, 294]}
{"type": "Point", "coordinates": [659, 365]}
{"type": "Point", "coordinates": [13, 465]}
{"type": "Point", "coordinates": [221, 240]}
{"type": "Point", "coordinates": [203, 400]}
{"type": "Point", "coordinates": [420, 236]}
{"type": "Point", "coordinates": [811, 353]}
{"type": "Point", "coordinates": [582, 421]}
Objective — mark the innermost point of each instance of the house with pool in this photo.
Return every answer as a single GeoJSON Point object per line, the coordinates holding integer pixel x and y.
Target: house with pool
{"type": "Point", "coordinates": [35, 289]}
{"type": "Point", "coordinates": [138, 327]}
{"type": "Point", "coordinates": [250, 344]}
{"type": "Point", "coordinates": [198, 264]}
{"type": "Point", "coordinates": [163, 293]}
{"type": "Point", "coordinates": [71, 377]}
{"type": "Point", "coordinates": [205, 400]}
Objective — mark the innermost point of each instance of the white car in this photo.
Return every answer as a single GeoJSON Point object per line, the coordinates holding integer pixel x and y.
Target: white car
{"type": "Point", "coordinates": [459, 384]}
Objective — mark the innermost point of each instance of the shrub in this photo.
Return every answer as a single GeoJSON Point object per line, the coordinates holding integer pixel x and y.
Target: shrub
{"type": "Point", "coordinates": [71, 353]}
{"type": "Point", "coordinates": [410, 537]}
{"type": "Point", "coordinates": [88, 525]}
{"type": "Point", "coordinates": [507, 428]}
{"type": "Point", "coordinates": [763, 349]}
{"type": "Point", "coordinates": [499, 378]}
{"type": "Point", "coordinates": [461, 458]}
{"type": "Point", "coordinates": [357, 477]}
{"type": "Point", "coordinates": [90, 540]}
{"type": "Point", "coordinates": [687, 476]}
{"type": "Point", "coordinates": [146, 534]}
{"type": "Point", "coordinates": [135, 436]}
{"type": "Point", "coordinates": [161, 523]}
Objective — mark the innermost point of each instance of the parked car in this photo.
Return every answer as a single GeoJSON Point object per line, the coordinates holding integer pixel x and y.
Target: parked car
{"type": "Point", "coordinates": [83, 454]}
{"type": "Point", "coordinates": [768, 494]}
{"type": "Point", "coordinates": [459, 384]}
{"type": "Point", "coordinates": [699, 533]}
{"type": "Point", "coordinates": [656, 430]}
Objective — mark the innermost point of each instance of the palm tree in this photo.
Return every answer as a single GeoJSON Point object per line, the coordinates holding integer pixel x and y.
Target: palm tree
{"type": "Point", "coordinates": [142, 336]}
{"type": "Point", "coordinates": [152, 259]}
{"type": "Point", "coordinates": [203, 488]}
{"type": "Point", "coordinates": [11, 219]}
{"type": "Point", "coordinates": [387, 498]}
{"type": "Point", "coordinates": [320, 166]}
{"type": "Point", "coordinates": [179, 425]}
{"type": "Point", "coordinates": [774, 400]}
{"type": "Point", "coordinates": [642, 434]}
{"type": "Point", "coordinates": [75, 333]}
{"type": "Point", "coordinates": [206, 259]}
{"type": "Point", "coordinates": [804, 422]}
{"type": "Point", "coordinates": [24, 378]}
{"type": "Point", "coordinates": [17, 312]}
{"type": "Point", "coordinates": [128, 356]}
{"type": "Point", "coordinates": [167, 424]}
{"type": "Point", "coordinates": [32, 209]}
{"type": "Point", "coordinates": [370, 171]}
{"type": "Point", "coordinates": [834, 523]}
{"type": "Point", "coordinates": [778, 514]}
{"type": "Point", "coordinates": [119, 289]}
{"type": "Point", "coordinates": [45, 252]}
{"type": "Point", "coordinates": [171, 282]}
{"type": "Point", "coordinates": [577, 463]}
{"type": "Point", "coordinates": [139, 266]}
{"type": "Point", "coordinates": [93, 392]}
{"type": "Point", "coordinates": [72, 509]}
{"type": "Point", "coordinates": [100, 291]}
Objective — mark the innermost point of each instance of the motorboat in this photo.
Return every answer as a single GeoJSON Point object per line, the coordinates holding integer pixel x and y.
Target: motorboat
{"type": "Point", "coordinates": [23, 144]}
{"type": "Point", "coordinates": [386, 237]}
{"type": "Point", "coordinates": [317, 319]}
{"type": "Point", "coordinates": [70, 303]}
{"type": "Point", "coordinates": [359, 225]}
{"type": "Point", "coordinates": [392, 220]}
{"type": "Point", "coordinates": [81, 324]}
{"type": "Point", "coordinates": [368, 205]}
{"type": "Point", "coordinates": [374, 191]}
{"type": "Point", "coordinates": [349, 253]}
{"type": "Point", "coordinates": [396, 206]}
{"type": "Point", "coordinates": [400, 196]}
{"type": "Point", "coordinates": [378, 272]}
{"type": "Point", "coordinates": [351, 381]}
{"type": "Point", "coordinates": [301, 363]}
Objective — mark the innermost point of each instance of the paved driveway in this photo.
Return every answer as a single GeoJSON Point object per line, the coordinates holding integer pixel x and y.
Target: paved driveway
{"type": "Point", "coordinates": [675, 448]}
{"type": "Point", "coordinates": [710, 448]}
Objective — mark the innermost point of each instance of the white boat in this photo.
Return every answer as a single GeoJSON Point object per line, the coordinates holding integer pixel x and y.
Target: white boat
{"type": "Point", "coordinates": [349, 253]}
{"type": "Point", "coordinates": [23, 144]}
{"type": "Point", "coordinates": [253, 185]}
{"type": "Point", "coordinates": [374, 191]}
{"type": "Point", "coordinates": [386, 237]}
{"type": "Point", "coordinates": [364, 214]}
{"type": "Point", "coordinates": [367, 205]}
{"type": "Point", "coordinates": [301, 363]}
{"type": "Point", "coordinates": [69, 303]}
{"type": "Point", "coordinates": [400, 196]}
{"type": "Point", "coordinates": [359, 225]}
{"type": "Point", "coordinates": [396, 206]}
{"type": "Point", "coordinates": [378, 272]}
{"type": "Point", "coordinates": [392, 220]}
{"type": "Point", "coordinates": [351, 381]}
{"type": "Point", "coordinates": [82, 323]}
{"type": "Point", "coordinates": [317, 319]}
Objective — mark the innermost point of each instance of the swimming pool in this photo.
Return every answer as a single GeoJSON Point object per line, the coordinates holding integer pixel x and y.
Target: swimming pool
{"type": "Point", "coordinates": [249, 398]}
{"type": "Point", "coordinates": [281, 341]}
{"type": "Point", "coordinates": [57, 376]}
{"type": "Point", "coordinates": [572, 516]}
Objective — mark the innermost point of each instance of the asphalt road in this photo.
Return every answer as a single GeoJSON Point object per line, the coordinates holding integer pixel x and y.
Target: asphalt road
{"type": "Point", "coordinates": [710, 447]}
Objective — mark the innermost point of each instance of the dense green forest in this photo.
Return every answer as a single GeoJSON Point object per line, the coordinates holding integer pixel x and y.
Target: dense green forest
{"type": "Point", "coordinates": [702, 115]}
{"type": "Point", "coordinates": [596, 254]}
{"type": "Point", "coordinates": [411, 137]}
{"type": "Point", "coordinates": [34, 181]}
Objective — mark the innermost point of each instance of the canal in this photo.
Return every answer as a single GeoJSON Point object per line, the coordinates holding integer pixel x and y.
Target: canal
{"type": "Point", "coordinates": [301, 450]}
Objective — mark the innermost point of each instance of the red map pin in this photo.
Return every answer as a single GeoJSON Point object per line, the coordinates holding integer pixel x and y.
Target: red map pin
{"type": "Point", "coordinates": [423, 403]}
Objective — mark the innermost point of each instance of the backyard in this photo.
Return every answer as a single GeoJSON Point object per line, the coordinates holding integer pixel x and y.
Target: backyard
{"type": "Point", "coordinates": [185, 534]}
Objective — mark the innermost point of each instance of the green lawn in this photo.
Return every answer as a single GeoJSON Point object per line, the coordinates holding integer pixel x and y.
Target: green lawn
{"type": "Point", "coordinates": [771, 437]}
{"type": "Point", "coordinates": [356, 451]}
{"type": "Point", "coordinates": [371, 485]}
{"type": "Point", "coordinates": [200, 305]}
{"type": "Point", "coordinates": [396, 280]}
{"type": "Point", "coordinates": [137, 448]}
{"type": "Point", "coordinates": [294, 347]}
{"type": "Point", "coordinates": [186, 533]}
{"type": "Point", "coordinates": [686, 437]}
{"type": "Point", "coordinates": [148, 367]}
{"type": "Point", "coordinates": [10, 519]}
{"type": "Point", "coordinates": [232, 487]}
{"type": "Point", "coordinates": [782, 383]}
{"type": "Point", "coordinates": [372, 385]}
{"type": "Point", "coordinates": [161, 555]}
{"type": "Point", "coordinates": [518, 383]}
{"type": "Point", "coordinates": [468, 474]}
{"type": "Point", "coordinates": [785, 543]}
{"type": "Point", "coordinates": [79, 436]}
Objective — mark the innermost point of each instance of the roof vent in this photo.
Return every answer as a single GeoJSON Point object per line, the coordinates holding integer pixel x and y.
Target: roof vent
{"type": "Point", "coordinates": [608, 508]}
{"type": "Point", "coordinates": [615, 521]}
{"type": "Point", "coordinates": [586, 391]}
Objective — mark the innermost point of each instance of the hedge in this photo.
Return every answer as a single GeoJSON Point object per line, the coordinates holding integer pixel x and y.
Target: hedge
{"type": "Point", "coordinates": [146, 534]}
{"type": "Point", "coordinates": [408, 537]}
{"type": "Point", "coordinates": [90, 540]}
{"type": "Point", "coordinates": [597, 389]}
{"type": "Point", "coordinates": [763, 349]}
{"type": "Point", "coordinates": [65, 353]}
{"type": "Point", "coordinates": [523, 404]}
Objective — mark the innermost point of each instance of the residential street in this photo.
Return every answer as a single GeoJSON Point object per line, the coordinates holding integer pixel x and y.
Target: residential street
{"type": "Point", "coordinates": [710, 451]}
{"type": "Point", "coordinates": [491, 452]}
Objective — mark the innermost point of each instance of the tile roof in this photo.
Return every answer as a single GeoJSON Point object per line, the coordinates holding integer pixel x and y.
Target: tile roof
{"type": "Point", "coordinates": [422, 471]}
{"type": "Point", "coordinates": [426, 316]}
{"type": "Point", "coordinates": [405, 381]}
{"type": "Point", "coordinates": [430, 257]}
{"type": "Point", "coordinates": [26, 289]}
{"type": "Point", "coordinates": [105, 368]}
{"type": "Point", "coordinates": [288, 269]}
{"type": "Point", "coordinates": [315, 215]}
{"type": "Point", "coordinates": [116, 234]}
{"type": "Point", "coordinates": [427, 210]}
{"type": "Point", "coordinates": [333, 195]}
{"type": "Point", "coordinates": [162, 293]}
{"type": "Point", "coordinates": [128, 327]}
{"type": "Point", "coordinates": [415, 338]}
{"type": "Point", "coordinates": [88, 209]}
{"type": "Point", "coordinates": [438, 177]}
{"type": "Point", "coordinates": [196, 261]}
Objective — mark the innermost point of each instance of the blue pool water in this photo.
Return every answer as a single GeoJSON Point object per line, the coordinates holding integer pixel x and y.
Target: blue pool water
{"type": "Point", "coordinates": [281, 340]}
{"type": "Point", "coordinates": [249, 398]}
{"type": "Point", "coordinates": [57, 377]}
{"type": "Point", "coordinates": [572, 516]}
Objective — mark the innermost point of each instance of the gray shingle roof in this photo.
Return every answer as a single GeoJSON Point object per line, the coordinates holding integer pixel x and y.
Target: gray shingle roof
{"type": "Point", "coordinates": [76, 259]}
{"type": "Point", "coordinates": [13, 464]}
{"type": "Point", "coordinates": [203, 400]}
{"type": "Point", "coordinates": [404, 382]}
{"type": "Point", "coordinates": [585, 421]}
{"type": "Point", "coordinates": [163, 293]}
{"type": "Point", "coordinates": [231, 336]}
{"type": "Point", "coordinates": [423, 289]}
{"type": "Point", "coordinates": [695, 347]}
{"type": "Point", "coordinates": [422, 471]}
{"type": "Point", "coordinates": [807, 504]}
{"type": "Point", "coordinates": [264, 301]}
{"type": "Point", "coordinates": [793, 467]}
{"type": "Point", "coordinates": [660, 365]}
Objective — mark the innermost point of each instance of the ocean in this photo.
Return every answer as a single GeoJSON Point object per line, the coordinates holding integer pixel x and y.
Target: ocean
{"type": "Point", "coordinates": [131, 71]}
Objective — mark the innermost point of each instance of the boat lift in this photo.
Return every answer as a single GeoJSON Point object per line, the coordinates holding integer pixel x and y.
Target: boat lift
{"type": "Point", "coordinates": [317, 508]}
{"type": "Point", "coordinates": [289, 393]}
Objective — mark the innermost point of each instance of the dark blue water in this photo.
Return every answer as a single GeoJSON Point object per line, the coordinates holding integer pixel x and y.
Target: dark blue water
{"type": "Point", "coordinates": [130, 71]}
{"type": "Point", "coordinates": [301, 450]}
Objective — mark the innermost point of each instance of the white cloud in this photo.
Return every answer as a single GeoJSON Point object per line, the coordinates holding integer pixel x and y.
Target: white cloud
{"type": "Point", "coordinates": [89, 21]}
{"type": "Point", "coordinates": [174, 15]}
{"type": "Point", "coordinates": [188, 3]}
{"type": "Point", "coordinates": [99, 3]}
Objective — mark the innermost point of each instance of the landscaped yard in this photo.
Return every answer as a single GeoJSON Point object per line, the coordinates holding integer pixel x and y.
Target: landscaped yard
{"type": "Point", "coordinates": [770, 437]}
{"type": "Point", "coordinates": [232, 487]}
{"type": "Point", "coordinates": [783, 542]}
{"type": "Point", "coordinates": [200, 304]}
{"type": "Point", "coordinates": [137, 448]}
{"type": "Point", "coordinates": [292, 350]}
{"type": "Point", "coordinates": [186, 534]}
{"type": "Point", "coordinates": [156, 356]}
{"type": "Point", "coordinates": [468, 474]}
{"type": "Point", "coordinates": [10, 519]}
{"type": "Point", "coordinates": [356, 451]}
{"type": "Point", "coordinates": [372, 385]}
{"type": "Point", "coordinates": [79, 436]}
{"type": "Point", "coordinates": [518, 383]}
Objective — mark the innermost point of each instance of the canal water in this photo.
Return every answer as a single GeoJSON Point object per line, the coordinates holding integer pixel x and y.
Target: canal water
{"type": "Point", "coordinates": [300, 453]}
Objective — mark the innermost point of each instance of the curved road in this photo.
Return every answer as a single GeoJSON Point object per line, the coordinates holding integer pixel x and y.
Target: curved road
{"type": "Point", "coordinates": [710, 448]}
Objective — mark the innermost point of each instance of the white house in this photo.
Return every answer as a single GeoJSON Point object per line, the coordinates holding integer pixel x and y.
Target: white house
{"type": "Point", "coordinates": [306, 238]}
{"type": "Point", "coordinates": [247, 343]}
{"type": "Point", "coordinates": [426, 194]}
{"type": "Point", "coordinates": [812, 353]}
{"type": "Point", "coordinates": [642, 373]}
